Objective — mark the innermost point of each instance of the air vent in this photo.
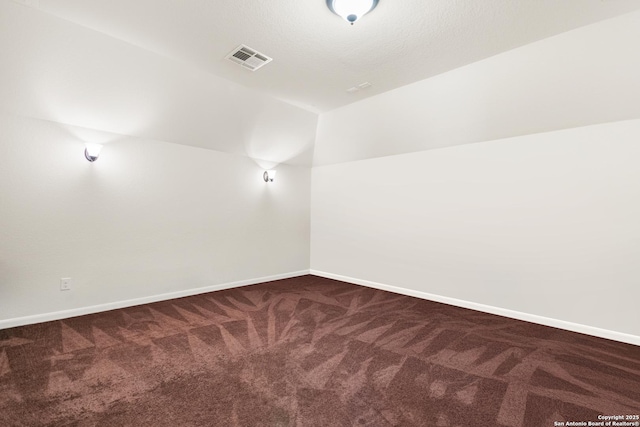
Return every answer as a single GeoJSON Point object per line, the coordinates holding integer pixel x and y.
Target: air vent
{"type": "Point", "coordinates": [248, 58]}
{"type": "Point", "coordinates": [358, 88]}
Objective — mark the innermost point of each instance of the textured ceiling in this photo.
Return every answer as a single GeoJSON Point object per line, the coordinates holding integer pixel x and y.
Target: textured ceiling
{"type": "Point", "coordinates": [318, 56]}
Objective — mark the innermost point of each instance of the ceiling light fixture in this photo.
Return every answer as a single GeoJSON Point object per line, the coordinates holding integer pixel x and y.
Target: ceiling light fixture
{"type": "Point", "coordinates": [351, 10]}
{"type": "Point", "coordinates": [269, 175]}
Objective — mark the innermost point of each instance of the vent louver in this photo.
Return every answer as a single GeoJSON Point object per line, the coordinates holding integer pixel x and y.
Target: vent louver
{"type": "Point", "coordinates": [357, 88]}
{"type": "Point", "coordinates": [248, 58]}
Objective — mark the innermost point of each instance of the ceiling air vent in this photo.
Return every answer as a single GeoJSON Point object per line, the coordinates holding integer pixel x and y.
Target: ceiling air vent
{"type": "Point", "coordinates": [357, 88]}
{"type": "Point", "coordinates": [248, 58]}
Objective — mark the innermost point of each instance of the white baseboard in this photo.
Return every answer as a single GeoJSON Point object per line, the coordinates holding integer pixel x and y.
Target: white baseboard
{"type": "Point", "coordinates": [65, 314]}
{"type": "Point", "coordinates": [547, 321]}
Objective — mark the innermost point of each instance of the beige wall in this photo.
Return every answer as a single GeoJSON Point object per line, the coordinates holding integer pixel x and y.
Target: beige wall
{"type": "Point", "coordinates": [146, 218]}
{"type": "Point", "coordinates": [542, 224]}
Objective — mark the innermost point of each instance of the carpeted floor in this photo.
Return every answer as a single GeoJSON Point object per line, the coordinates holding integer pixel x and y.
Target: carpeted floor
{"type": "Point", "coordinates": [309, 351]}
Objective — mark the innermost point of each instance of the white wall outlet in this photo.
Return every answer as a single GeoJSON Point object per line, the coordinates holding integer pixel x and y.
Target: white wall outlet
{"type": "Point", "coordinates": [65, 284]}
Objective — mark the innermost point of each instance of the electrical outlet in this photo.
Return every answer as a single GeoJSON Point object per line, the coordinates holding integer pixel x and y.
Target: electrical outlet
{"type": "Point", "coordinates": [65, 284]}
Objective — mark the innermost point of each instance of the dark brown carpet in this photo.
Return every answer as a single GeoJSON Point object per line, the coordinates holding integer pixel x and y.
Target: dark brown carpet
{"type": "Point", "coordinates": [309, 352]}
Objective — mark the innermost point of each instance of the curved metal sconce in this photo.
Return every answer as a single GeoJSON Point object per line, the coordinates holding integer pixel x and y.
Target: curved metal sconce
{"type": "Point", "coordinates": [92, 151]}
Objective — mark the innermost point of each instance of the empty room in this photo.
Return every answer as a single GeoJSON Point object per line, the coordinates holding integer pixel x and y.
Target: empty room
{"type": "Point", "coordinates": [320, 213]}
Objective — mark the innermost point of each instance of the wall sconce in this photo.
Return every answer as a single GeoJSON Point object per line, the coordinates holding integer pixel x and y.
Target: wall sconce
{"type": "Point", "coordinates": [92, 151]}
{"type": "Point", "coordinates": [351, 10]}
{"type": "Point", "coordinates": [269, 175]}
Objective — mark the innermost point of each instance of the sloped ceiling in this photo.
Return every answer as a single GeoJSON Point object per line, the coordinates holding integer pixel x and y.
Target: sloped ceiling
{"type": "Point", "coordinates": [579, 78]}
{"type": "Point", "coordinates": [317, 56]}
{"type": "Point", "coordinates": [156, 69]}
{"type": "Point", "coordinates": [101, 88]}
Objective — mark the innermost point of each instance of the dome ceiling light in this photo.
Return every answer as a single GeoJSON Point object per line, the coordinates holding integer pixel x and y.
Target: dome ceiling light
{"type": "Point", "coordinates": [351, 10]}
